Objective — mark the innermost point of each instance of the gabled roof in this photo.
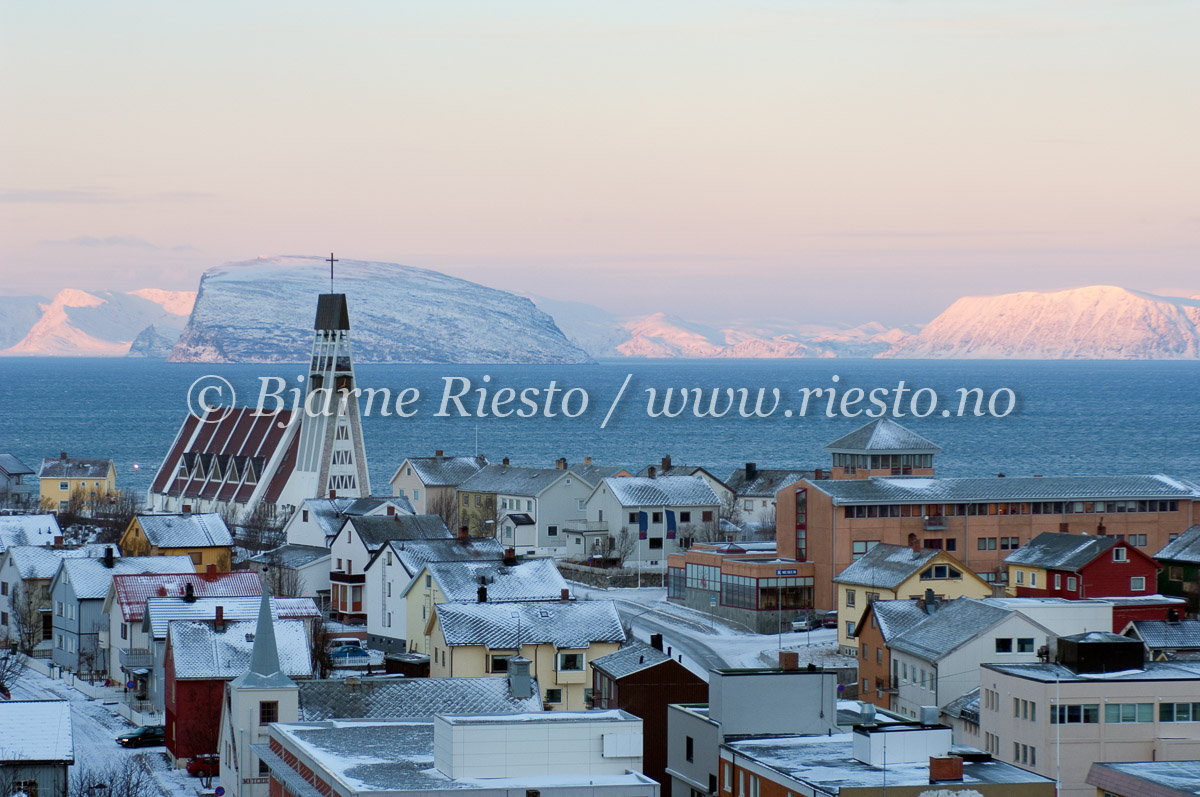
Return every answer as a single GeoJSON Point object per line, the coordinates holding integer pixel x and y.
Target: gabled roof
{"type": "Point", "coordinates": [45, 732]}
{"type": "Point", "coordinates": [331, 513]}
{"type": "Point", "coordinates": [631, 658]}
{"type": "Point", "coordinates": [883, 435]}
{"type": "Point", "coordinates": [412, 698]}
{"type": "Point", "coordinates": [35, 562]}
{"type": "Point", "coordinates": [954, 624]}
{"type": "Point", "coordinates": [1164, 635]}
{"type": "Point", "coordinates": [415, 554]}
{"type": "Point", "coordinates": [131, 592]}
{"type": "Point", "coordinates": [12, 466]}
{"type": "Point", "coordinates": [161, 611]}
{"type": "Point", "coordinates": [921, 490]}
{"type": "Point", "coordinates": [661, 491]}
{"type": "Point", "coordinates": [533, 580]}
{"type": "Point", "coordinates": [893, 617]}
{"type": "Point", "coordinates": [1056, 551]}
{"type": "Point", "coordinates": [965, 708]}
{"type": "Point", "coordinates": [292, 555]}
{"type": "Point", "coordinates": [509, 480]}
{"type": "Point", "coordinates": [764, 483]}
{"type": "Point", "coordinates": [444, 471]}
{"type": "Point", "coordinates": [886, 566]}
{"type": "Point", "coordinates": [91, 580]}
{"type": "Point", "coordinates": [28, 530]}
{"type": "Point", "coordinates": [377, 530]}
{"type": "Point", "coordinates": [206, 530]}
{"type": "Point", "coordinates": [199, 651]}
{"type": "Point", "coordinates": [592, 474]}
{"type": "Point", "coordinates": [1184, 549]}
{"type": "Point", "coordinates": [570, 624]}
{"type": "Point", "coordinates": [59, 468]}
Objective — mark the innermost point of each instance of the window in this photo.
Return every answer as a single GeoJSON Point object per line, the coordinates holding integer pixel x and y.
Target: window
{"type": "Point", "coordinates": [197, 558]}
{"type": "Point", "coordinates": [879, 655]}
{"type": "Point", "coordinates": [64, 486]}
{"type": "Point", "coordinates": [849, 628]}
{"type": "Point", "coordinates": [1004, 645]}
{"type": "Point", "coordinates": [849, 597]}
{"type": "Point", "coordinates": [1020, 576]}
{"type": "Point", "coordinates": [1087, 714]}
{"type": "Point", "coordinates": [554, 696]}
{"type": "Point", "coordinates": [1119, 554]}
{"type": "Point", "coordinates": [570, 662]}
{"type": "Point", "coordinates": [3, 587]}
{"type": "Point", "coordinates": [684, 517]}
{"type": "Point", "coordinates": [689, 746]}
{"type": "Point", "coordinates": [656, 517]}
{"type": "Point", "coordinates": [864, 652]}
{"type": "Point", "coordinates": [268, 712]}
{"type": "Point", "coordinates": [416, 494]}
{"type": "Point", "coordinates": [1016, 707]}
{"type": "Point", "coordinates": [3, 618]}
{"type": "Point", "coordinates": [124, 630]}
{"type": "Point", "coordinates": [58, 608]}
{"type": "Point", "coordinates": [987, 543]}
{"type": "Point", "coordinates": [656, 543]}
{"type": "Point", "coordinates": [1058, 580]}
{"type": "Point", "coordinates": [1071, 583]}
{"type": "Point", "coordinates": [706, 516]}
{"type": "Point", "coordinates": [552, 531]}
{"type": "Point", "coordinates": [263, 769]}
{"type": "Point", "coordinates": [1033, 578]}
{"type": "Point", "coordinates": [633, 517]}
{"type": "Point", "coordinates": [1025, 644]}
{"type": "Point", "coordinates": [1179, 712]}
{"type": "Point", "coordinates": [860, 548]}
{"type": "Point", "coordinates": [26, 787]}
{"type": "Point", "coordinates": [1137, 584]}
{"type": "Point", "coordinates": [1129, 712]}
{"type": "Point", "coordinates": [500, 663]}
{"type": "Point", "coordinates": [727, 776]}
{"type": "Point", "coordinates": [939, 572]}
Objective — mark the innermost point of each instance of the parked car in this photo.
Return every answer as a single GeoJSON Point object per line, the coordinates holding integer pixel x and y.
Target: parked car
{"type": "Point", "coordinates": [345, 641]}
{"type": "Point", "coordinates": [350, 652]}
{"type": "Point", "coordinates": [144, 736]}
{"type": "Point", "coordinates": [804, 622]}
{"type": "Point", "coordinates": [829, 620]}
{"type": "Point", "coordinates": [203, 766]}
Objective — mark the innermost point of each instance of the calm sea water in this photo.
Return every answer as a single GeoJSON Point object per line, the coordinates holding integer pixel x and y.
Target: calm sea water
{"type": "Point", "coordinates": [1070, 418]}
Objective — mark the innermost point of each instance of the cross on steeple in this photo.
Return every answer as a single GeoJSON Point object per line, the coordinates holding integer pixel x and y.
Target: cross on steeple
{"type": "Point", "coordinates": [332, 260]}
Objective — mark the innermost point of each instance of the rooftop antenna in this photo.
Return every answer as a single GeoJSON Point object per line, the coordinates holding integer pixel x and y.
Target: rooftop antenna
{"type": "Point", "coordinates": [332, 260]}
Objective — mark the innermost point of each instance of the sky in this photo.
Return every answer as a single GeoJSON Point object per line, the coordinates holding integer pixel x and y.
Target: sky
{"type": "Point", "coordinates": [815, 160]}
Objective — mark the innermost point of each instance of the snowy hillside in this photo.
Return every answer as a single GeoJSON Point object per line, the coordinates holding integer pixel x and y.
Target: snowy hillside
{"type": "Point", "coordinates": [77, 323]}
{"type": "Point", "coordinates": [1100, 322]}
{"type": "Point", "coordinates": [262, 311]}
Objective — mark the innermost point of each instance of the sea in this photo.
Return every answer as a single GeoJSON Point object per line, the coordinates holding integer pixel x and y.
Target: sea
{"type": "Point", "coordinates": [1049, 418]}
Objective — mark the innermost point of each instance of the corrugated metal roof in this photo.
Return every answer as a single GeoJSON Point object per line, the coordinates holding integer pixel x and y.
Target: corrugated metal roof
{"type": "Point", "coordinates": [199, 651]}
{"type": "Point", "coordinates": [896, 617]}
{"type": "Point", "coordinates": [765, 483]}
{"type": "Point", "coordinates": [13, 466]}
{"type": "Point", "coordinates": [952, 625]}
{"type": "Point", "coordinates": [571, 624]}
{"type": "Point", "coordinates": [886, 566]}
{"type": "Point", "coordinates": [509, 480]}
{"type": "Point", "coordinates": [965, 708]}
{"type": "Point", "coordinates": [161, 611]}
{"type": "Point", "coordinates": [1163, 635]}
{"type": "Point", "coordinates": [412, 698]}
{"type": "Point", "coordinates": [446, 471]}
{"type": "Point", "coordinates": [35, 562]}
{"type": "Point", "coordinates": [207, 530]}
{"type": "Point", "coordinates": [633, 657]}
{"type": "Point", "coordinates": [1184, 549]}
{"type": "Point", "coordinates": [331, 513]}
{"type": "Point", "coordinates": [131, 592]}
{"type": "Point", "coordinates": [919, 490]}
{"type": "Point", "coordinates": [533, 580]}
{"type": "Point", "coordinates": [91, 580]}
{"type": "Point", "coordinates": [28, 530]}
{"type": "Point", "coordinates": [1053, 550]}
{"type": "Point", "coordinates": [377, 530]}
{"type": "Point", "coordinates": [292, 555]}
{"type": "Point", "coordinates": [57, 468]}
{"type": "Point", "coordinates": [415, 554]}
{"type": "Point", "coordinates": [883, 435]}
{"type": "Point", "coordinates": [662, 491]}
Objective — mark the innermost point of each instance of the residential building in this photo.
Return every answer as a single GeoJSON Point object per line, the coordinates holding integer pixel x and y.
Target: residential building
{"type": "Point", "coordinates": [38, 747]}
{"type": "Point", "coordinates": [643, 680]}
{"type": "Point", "coordinates": [83, 481]}
{"type": "Point", "coordinates": [766, 702]}
{"type": "Point", "coordinates": [889, 572]}
{"type": "Point", "coordinates": [754, 488]}
{"type": "Point", "coordinates": [17, 485]}
{"type": "Point", "coordinates": [204, 538]}
{"type": "Point", "coordinates": [1096, 701]}
{"type": "Point", "coordinates": [40, 530]}
{"type": "Point", "coordinates": [26, 615]}
{"type": "Point", "coordinates": [548, 755]}
{"type": "Point", "coordinates": [559, 638]}
{"type": "Point", "coordinates": [200, 658]}
{"type": "Point", "coordinates": [744, 582]}
{"type": "Point", "coordinates": [665, 467]}
{"type": "Point", "coordinates": [880, 623]}
{"type": "Point", "coordinates": [263, 465]}
{"type": "Point", "coordinates": [351, 551]}
{"type": "Point", "coordinates": [431, 484]}
{"type": "Point", "coordinates": [979, 520]}
{"type": "Point", "coordinates": [393, 567]}
{"type": "Point", "coordinates": [1141, 778]}
{"type": "Point", "coordinates": [503, 581]}
{"type": "Point", "coordinates": [78, 591]}
{"type": "Point", "coordinates": [318, 520]}
{"type": "Point", "coordinates": [1180, 574]}
{"type": "Point", "coordinates": [1167, 640]}
{"type": "Point", "coordinates": [873, 760]}
{"type": "Point", "coordinates": [295, 570]}
{"type": "Point", "coordinates": [659, 515]}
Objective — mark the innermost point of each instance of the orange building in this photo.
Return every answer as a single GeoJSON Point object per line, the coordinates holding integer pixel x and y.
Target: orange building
{"type": "Point", "coordinates": [883, 490]}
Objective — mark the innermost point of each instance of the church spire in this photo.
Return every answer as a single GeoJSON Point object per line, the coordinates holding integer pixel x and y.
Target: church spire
{"type": "Point", "coordinates": [264, 659]}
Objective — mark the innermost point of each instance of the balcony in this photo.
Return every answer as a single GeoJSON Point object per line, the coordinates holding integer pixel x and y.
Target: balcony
{"type": "Point", "coordinates": [133, 658]}
{"type": "Point", "coordinates": [935, 522]}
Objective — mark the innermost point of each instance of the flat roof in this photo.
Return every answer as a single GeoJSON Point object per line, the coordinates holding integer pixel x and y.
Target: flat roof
{"type": "Point", "coordinates": [1152, 671]}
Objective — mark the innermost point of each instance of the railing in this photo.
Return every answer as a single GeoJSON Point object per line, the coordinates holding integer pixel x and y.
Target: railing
{"type": "Point", "coordinates": [134, 657]}
{"type": "Point", "coordinates": [585, 525]}
{"type": "Point", "coordinates": [935, 522]}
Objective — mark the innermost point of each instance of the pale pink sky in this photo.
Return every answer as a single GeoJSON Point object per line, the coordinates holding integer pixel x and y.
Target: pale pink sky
{"type": "Point", "coordinates": [819, 160]}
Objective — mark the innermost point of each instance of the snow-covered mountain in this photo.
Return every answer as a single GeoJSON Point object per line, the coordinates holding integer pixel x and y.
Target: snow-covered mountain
{"type": "Point", "coordinates": [1100, 322]}
{"type": "Point", "coordinates": [78, 323]}
{"type": "Point", "coordinates": [262, 311]}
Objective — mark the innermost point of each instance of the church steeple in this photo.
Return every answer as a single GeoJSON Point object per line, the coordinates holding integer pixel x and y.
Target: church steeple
{"type": "Point", "coordinates": [265, 671]}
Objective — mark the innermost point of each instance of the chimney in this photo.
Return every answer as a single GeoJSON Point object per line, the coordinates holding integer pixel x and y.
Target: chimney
{"type": "Point", "coordinates": [464, 534]}
{"type": "Point", "coordinates": [560, 463]}
{"type": "Point", "coordinates": [945, 768]}
{"type": "Point", "coordinates": [108, 557]}
{"type": "Point", "coordinates": [999, 475]}
{"type": "Point", "coordinates": [210, 572]}
{"type": "Point", "coordinates": [656, 641]}
{"type": "Point", "coordinates": [1064, 528]}
{"type": "Point", "coordinates": [481, 594]}
{"type": "Point", "coordinates": [1100, 526]}
{"type": "Point", "coordinates": [519, 682]}
{"type": "Point", "coordinates": [438, 453]}
{"type": "Point", "coordinates": [867, 713]}
{"type": "Point", "coordinates": [789, 660]}
{"type": "Point", "coordinates": [332, 494]}
{"type": "Point", "coordinates": [1172, 615]}
{"type": "Point", "coordinates": [651, 472]}
{"type": "Point", "coordinates": [818, 474]}
{"type": "Point", "coordinates": [510, 557]}
{"type": "Point", "coordinates": [58, 541]}
{"type": "Point", "coordinates": [564, 594]}
{"type": "Point", "coordinates": [63, 456]}
{"type": "Point", "coordinates": [504, 462]}
{"type": "Point", "coordinates": [219, 622]}
{"type": "Point", "coordinates": [666, 462]}
{"type": "Point", "coordinates": [914, 544]}
{"type": "Point", "coordinates": [391, 510]}
{"type": "Point", "coordinates": [189, 593]}
{"type": "Point", "coordinates": [587, 460]}
{"type": "Point", "coordinates": [751, 471]}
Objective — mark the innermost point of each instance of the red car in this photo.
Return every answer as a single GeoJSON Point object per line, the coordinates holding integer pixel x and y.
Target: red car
{"type": "Point", "coordinates": [204, 765]}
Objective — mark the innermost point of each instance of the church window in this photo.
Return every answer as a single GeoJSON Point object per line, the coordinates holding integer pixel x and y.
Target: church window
{"type": "Point", "coordinates": [268, 712]}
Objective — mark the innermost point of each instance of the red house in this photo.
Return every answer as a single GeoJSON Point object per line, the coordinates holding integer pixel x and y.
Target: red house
{"type": "Point", "coordinates": [1088, 567]}
{"type": "Point", "coordinates": [200, 658]}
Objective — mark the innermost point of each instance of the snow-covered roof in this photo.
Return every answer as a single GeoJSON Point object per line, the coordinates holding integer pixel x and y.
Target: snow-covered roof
{"type": "Point", "coordinates": [35, 562]}
{"type": "Point", "coordinates": [631, 658]}
{"type": "Point", "coordinates": [886, 566]}
{"type": "Point", "coordinates": [896, 617]}
{"type": "Point", "coordinates": [592, 474]}
{"type": "Point", "coordinates": [91, 580]}
{"type": "Point", "coordinates": [199, 651]}
{"type": "Point", "coordinates": [28, 530]}
{"type": "Point", "coordinates": [533, 580]}
{"type": "Point", "coordinates": [207, 530]}
{"type": "Point", "coordinates": [12, 466]}
{"type": "Point", "coordinates": [1056, 551]}
{"type": "Point", "coordinates": [44, 735]}
{"type": "Point", "coordinates": [952, 625]}
{"type": "Point", "coordinates": [161, 611]}
{"type": "Point", "coordinates": [1164, 635]}
{"type": "Point", "coordinates": [1160, 778]}
{"type": "Point", "coordinates": [661, 491]}
{"type": "Point", "coordinates": [763, 483]}
{"type": "Point", "coordinates": [1184, 549]}
{"type": "Point", "coordinates": [59, 468]}
{"type": "Point", "coordinates": [412, 698]}
{"type": "Point", "coordinates": [919, 490]}
{"type": "Point", "coordinates": [965, 708]}
{"type": "Point", "coordinates": [415, 554]}
{"type": "Point", "coordinates": [1049, 672]}
{"type": "Point", "coordinates": [444, 471]}
{"type": "Point", "coordinates": [377, 530]}
{"type": "Point", "coordinates": [565, 624]}
{"type": "Point", "coordinates": [331, 513]}
{"type": "Point", "coordinates": [131, 592]}
{"type": "Point", "coordinates": [880, 435]}
{"type": "Point", "coordinates": [292, 555]}
{"type": "Point", "coordinates": [509, 480]}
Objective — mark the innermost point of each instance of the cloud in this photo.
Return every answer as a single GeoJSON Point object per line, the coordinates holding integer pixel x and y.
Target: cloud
{"type": "Point", "coordinates": [125, 241]}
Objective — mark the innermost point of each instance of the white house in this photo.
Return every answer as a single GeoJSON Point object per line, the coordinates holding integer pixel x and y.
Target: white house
{"type": "Point", "coordinates": [318, 520]}
{"type": "Point", "coordinates": [664, 514]}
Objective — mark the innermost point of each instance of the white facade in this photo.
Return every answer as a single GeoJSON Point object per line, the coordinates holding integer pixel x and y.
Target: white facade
{"type": "Point", "coordinates": [690, 520]}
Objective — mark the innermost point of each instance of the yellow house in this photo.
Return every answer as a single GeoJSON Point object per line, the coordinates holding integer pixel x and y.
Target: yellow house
{"type": "Point", "coordinates": [559, 638]}
{"type": "Point", "coordinates": [203, 537]}
{"type": "Point", "coordinates": [899, 572]}
{"type": "Point", "coordinates": [87, 480]}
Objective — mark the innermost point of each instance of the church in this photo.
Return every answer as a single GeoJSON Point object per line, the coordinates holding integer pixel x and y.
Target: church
{"type": "Point", "coordinates": [245, 464]}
